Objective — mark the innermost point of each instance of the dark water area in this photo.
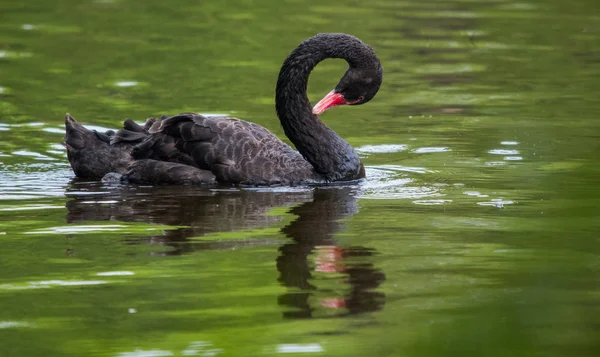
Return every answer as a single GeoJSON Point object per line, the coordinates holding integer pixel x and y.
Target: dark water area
{"type": "Point", "coordinates": [474, 234]}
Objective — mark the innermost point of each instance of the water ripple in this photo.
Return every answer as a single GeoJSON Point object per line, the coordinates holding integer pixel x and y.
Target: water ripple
{"type": "Point", "coordinates": [44, 284]}
{"type": "Point", "coordinates": [382, 171]}
{"type": "Point", "coordinates": [389, 182]}
{"type": "Point", "coordinates": [296, 348]}
{"type": "Point", "coordinates": [30, 207]}
{"type": "Point", "coordinates": [496, 202]}
{"type": "Point", "coordinates": [146, 353]}
{"type": "Point", "coordinates": [495, 163]}
{"type": "Point", "coordinates": [35, 155]}
{"type": "Point", "coordinates": [78, 229]}
{"type": "Point", "coordinates": [34, 180]}
{"type": "Point", "coordinates": [115, 273]}
{"type": "Point", "coordinates": [60, 131]}
{"type": "Point", "coordinates": [13, 54]}
{"type": "Point", "coordinates": [13, 324]}
{"type": "Point", "coordinates": [126, 84]}
{"type": "Point", "coordinates": [427, 150]}
{"type": "Point", "coordinates": [431, 202]}
{"type": "Point", "coordinates": [381, 149]}
{"type": "Point", "coordinates": [475, 194]}
{"type": "Point", "coordinates": [503, 152]}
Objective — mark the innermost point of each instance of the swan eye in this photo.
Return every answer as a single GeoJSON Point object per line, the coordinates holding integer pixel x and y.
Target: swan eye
{"type": "Point", "coordinates": [357, 101]}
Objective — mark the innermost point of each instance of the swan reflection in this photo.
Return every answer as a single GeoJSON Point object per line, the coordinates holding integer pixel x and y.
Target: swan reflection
{"type": "Point", "coordinates": [323, 277]}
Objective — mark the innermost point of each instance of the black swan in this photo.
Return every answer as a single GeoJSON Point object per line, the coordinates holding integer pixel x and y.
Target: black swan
{"type": "Point", "coordinates": [193, 149]}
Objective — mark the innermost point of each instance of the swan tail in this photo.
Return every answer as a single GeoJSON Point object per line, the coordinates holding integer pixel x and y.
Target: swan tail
{"type": "Point", "coordinates": [90, 153]}
{"type": "Point", "coordinates": [78, 137]}
{"type": "Point", "coordinates": [108, 156]}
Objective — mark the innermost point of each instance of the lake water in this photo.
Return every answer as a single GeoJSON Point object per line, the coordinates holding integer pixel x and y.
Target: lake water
{"type": "Point", "coordinates": [475, 233]}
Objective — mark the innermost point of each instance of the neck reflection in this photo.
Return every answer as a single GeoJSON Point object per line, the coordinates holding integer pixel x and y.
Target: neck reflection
{"type": "Point", "coordinates": [326, 278]}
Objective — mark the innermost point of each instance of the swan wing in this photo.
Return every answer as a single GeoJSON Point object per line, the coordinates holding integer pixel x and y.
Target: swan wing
{"type": "Point", "coordinates": [234, 150]}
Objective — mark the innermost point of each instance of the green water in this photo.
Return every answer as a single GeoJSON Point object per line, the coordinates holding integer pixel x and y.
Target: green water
{"type": "Point", "coordinates": [475, 234]}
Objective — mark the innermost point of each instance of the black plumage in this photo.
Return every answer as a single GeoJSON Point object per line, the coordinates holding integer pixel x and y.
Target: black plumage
{"type": "Point", "coordinates": [190, 148]}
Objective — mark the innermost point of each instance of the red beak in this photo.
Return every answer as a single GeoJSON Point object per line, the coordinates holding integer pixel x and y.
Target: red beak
{"type": "Point", "coordinates": [332, 99]}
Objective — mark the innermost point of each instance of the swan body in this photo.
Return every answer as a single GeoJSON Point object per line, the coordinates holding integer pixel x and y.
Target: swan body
{"type": "Point", "coordinates": [190, 148]}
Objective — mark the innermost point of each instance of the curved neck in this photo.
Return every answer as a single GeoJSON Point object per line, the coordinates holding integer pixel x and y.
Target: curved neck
{"type": "Point", "coordinates": [327, 152]}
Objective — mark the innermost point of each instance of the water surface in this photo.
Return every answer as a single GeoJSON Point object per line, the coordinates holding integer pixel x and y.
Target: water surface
{"type": "Point", "coordinates": [475, 233]}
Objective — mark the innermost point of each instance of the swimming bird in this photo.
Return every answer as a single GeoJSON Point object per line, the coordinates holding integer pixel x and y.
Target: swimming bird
{"type": "Point", "coordinates": [190, 148]}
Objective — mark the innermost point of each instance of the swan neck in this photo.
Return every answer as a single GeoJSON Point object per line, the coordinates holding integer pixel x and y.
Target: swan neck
{"type": "Point", "coordinates": [329, 154]}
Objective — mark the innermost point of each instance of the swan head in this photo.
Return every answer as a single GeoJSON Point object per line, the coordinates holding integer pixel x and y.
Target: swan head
{"type": "Point", "coordinates": [357, 86]}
